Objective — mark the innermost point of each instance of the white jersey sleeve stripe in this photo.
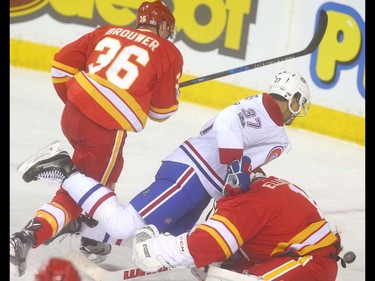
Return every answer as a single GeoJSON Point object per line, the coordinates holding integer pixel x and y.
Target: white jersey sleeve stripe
{"type": "Point", "coordinates": [203, 166]}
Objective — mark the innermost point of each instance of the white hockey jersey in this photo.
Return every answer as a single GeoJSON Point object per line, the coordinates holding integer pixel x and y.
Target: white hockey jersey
{"type": "Point", "coordinates": [254, 124]}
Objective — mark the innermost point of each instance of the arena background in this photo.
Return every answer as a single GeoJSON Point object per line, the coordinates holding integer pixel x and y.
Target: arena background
{"type": "Point", "coordinates": [218, 35]}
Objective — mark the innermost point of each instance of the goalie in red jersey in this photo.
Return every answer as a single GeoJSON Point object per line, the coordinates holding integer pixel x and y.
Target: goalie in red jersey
{"type": "Point", "coordinates": [275, 231]}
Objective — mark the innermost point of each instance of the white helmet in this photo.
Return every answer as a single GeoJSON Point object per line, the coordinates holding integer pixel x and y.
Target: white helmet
{"type": "Point", "coordinates": [287, 84]}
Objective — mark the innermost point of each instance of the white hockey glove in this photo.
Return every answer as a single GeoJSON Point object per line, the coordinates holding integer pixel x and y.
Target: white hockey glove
{"type": "Point", "coordinates": [237, 179]}
{"type": "Point", "coordinates": [152, 251]}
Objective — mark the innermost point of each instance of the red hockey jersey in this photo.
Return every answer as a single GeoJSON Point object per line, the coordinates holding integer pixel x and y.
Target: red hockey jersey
{"type": "Point", "coordinates": [120, 76]}
{"type": "Point", "coordinates": [273, 218]}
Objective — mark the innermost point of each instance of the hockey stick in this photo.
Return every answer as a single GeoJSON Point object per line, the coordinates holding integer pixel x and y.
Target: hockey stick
{"type": "Point", "coordinates": [315, 41]}
{"type": "Point", "coordinates": [83, 264]}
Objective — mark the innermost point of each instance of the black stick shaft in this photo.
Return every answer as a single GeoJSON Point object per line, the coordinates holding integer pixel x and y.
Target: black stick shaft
{"type": "Point", "coordinates": [315, 41]}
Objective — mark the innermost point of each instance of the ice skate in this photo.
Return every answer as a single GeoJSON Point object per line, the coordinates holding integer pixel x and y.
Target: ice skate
{"type": "Point", "coordinates": [94, 250]}
{"type": "Point", "coordinates": [51, 164]}
{"type": "Point", "coordinates": [20, 244]}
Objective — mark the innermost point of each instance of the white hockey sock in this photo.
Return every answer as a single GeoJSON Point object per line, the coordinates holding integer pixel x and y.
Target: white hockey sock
{"type": "Point", "coordinates": [94, 198]}
{"type": "Point", "coordinates": [121, 225]}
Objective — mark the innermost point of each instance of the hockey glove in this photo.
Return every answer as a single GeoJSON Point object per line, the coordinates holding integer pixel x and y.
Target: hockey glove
{"type": "Point", "coordinates": [237, 180]}
{"type": "Point", "coordinates": [152, 251]}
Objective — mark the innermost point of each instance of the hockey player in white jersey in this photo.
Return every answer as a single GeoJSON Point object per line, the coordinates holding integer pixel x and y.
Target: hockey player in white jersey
{"type": "Point", "coordinates": [217, 162]}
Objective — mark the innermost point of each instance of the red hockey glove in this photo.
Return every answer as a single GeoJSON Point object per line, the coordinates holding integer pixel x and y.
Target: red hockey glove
{"type": "Point", "coordinates": [237, 179]}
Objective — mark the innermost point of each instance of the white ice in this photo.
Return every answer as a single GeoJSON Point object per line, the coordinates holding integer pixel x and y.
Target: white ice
{"type": "Point", "coordinates": [330, 170]}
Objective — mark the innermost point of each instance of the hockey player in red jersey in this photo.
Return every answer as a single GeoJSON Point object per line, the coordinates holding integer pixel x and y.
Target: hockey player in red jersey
{"type": "Point", "coordinates": [278, 229]}
{"type": "Point", "coordinates": [216, 162]}
{"type": "Point", "coordinates": [57, 269]}
{"type": "Point", "coordinates": [111, 80]}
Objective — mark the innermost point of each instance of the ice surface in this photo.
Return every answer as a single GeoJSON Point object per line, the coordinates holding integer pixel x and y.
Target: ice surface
{"type": "Point", "coordinates": [330, 170]}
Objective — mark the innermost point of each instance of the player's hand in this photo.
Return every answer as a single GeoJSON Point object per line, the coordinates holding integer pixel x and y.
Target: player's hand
{"type": "Point", "coordinates": [144, 254]}
{"type": "Point", "coordinates": [237, 180]}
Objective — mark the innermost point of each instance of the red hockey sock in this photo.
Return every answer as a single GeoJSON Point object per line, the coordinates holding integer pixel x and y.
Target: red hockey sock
{"type": "Point", "coordinates": [44, 233]}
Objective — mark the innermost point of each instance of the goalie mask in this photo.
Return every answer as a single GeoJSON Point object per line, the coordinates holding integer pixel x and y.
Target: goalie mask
{"type": "Point", "coordinates": [153, 13]}
{"type": "Point", "coordinates": [288, 84]}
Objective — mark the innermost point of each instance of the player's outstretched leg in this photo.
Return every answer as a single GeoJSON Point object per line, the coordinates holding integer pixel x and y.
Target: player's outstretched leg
{"type": "Point", "coordinates": [50, 164]}
{"type": "Point", "coordinates": [20, 244]}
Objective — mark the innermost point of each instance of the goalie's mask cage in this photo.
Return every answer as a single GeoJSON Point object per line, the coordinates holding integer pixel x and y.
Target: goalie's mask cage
{"type": "Point", "coordinates": [154, 13]}
{"type": "Point", "coordinates": [289, 84]}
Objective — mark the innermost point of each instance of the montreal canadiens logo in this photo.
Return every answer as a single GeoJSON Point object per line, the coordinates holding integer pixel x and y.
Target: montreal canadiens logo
{"type": "Point", "coordinates": [274, 153]}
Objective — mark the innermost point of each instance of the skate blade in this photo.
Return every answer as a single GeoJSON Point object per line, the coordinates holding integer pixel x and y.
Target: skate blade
{"type": "Point", "coordinates": [47, 152]}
